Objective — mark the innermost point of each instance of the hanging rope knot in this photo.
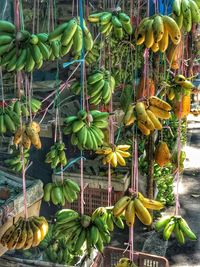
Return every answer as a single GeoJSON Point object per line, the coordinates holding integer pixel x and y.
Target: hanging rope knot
{"type": "Point", "coordinates": [127, 244]}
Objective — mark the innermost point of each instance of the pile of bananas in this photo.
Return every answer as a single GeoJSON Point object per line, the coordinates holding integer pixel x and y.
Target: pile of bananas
{"type": "Point", "coordinates": [27, 135]}
{"type": "Point", "coordinates": [176, 225]}
{"type": "Point", "coordinates": [23, 107]}
{"type": "Point", "coordinates": [154, 32]}
{"type": "Point", "coordinates": [186, 12]}
{"type": "Point", "coordinates": [136, 205]}
{"type": "Point", "coordinates": [56, 155]}
{"type": "Point", "coordinates": [100, 87]}
{"type": "Point", "coordinates": [86, 128]}
{"type": "Point", "coordinates": [114, 154]}
{"type": "Point", "coordinates": [9, 120]}
{"type": "Point", "coordinates": [80, 229]}
{"type": "Point", "coordinates": [147, 113]}
{"type": "Point", "coordinates": [117, 23]}
{"type": "Point", "coordinates": [162, 154]}
{"type": "Point", "coordinates": [25, 234]}
{"type": "Point", "coordinates": [58, 193]}
{"type": "Point", "coordinates": [125, 262]}
{"type": "Point", "coordinates": [15, 163]}
{"type": "Point", "coordinates": [24, 51]}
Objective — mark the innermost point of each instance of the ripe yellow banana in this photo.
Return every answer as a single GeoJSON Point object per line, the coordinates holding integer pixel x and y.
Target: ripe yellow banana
{"type": "Point", "coordinates": [155, 47]}
{"type": "Point", "coordinates": [130, 213]}
{"type": "Point", "coordinates": [140, 37]}
{"type": "Point", "coordinates": [155, 101]}
{"type": "Point", "coordinates": [142, 213]}
{"type": "Point", "coordinates": [123, 147]}
{"type": "Point", "coordinates": [160, 113]}
{"type": "Point", "coordinates": [121, 205]}
{"type": "Point", "coordinates": [150, 203]}
{"type": "Point", "coordinates": [29, 239]}
{"type": "Point", "coordinates": [143, 128]}
{"type": "Point", "coordinates": [22, 239]}
{"type": "Point", "coordinates": [164, 42]}
{"type": "Point", "coordinates": [120, 159]}
{"type": "Point", "coordinates": [114, 160]}
{"type": "Point", "coordinates": [158, 28]}
{"type": "Point", "coordinates": [172, 28]}
{"type": "Point", "coordinates": [141, 112]}
{"type": "Point", "coordinates": [154, 119]}
{"type": "Point", "coordinates": [124, 154]}
{"type": "Point", "coordinates": [149, 38]}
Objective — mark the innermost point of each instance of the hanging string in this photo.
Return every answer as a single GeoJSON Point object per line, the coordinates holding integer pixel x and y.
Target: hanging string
{"type": "Point", "coordinates": [2, 90]}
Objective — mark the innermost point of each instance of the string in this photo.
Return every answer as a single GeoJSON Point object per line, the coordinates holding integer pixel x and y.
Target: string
{"type": "Point", "coordinates": [2, 90]}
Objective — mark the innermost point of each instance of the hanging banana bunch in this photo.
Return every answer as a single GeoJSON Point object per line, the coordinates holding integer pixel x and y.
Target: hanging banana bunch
{"type": "Point", "coordinates": [56, 155]}
{"type": "Point", "coordinates": [186, 12]}
{"type": "Point", "coordinates": [28, 135]}
{"type": "Point", "coordinates": [25, 234]}
{"type": "Point", "coordinates": [136, 205]}
{"type": "Point", "coordinates": [114, 154]}
{"type": "Point", "coordinates": [9, 120]}
{"type": "Point", "coordinates": [86, 128]}
{"type": "Point", "coordinates": [162, 154]}
{"type": "Point", "coordinates": [155, 31]}
{"type": "Point", "coordinates": [58, 193]}
{"type": "Point", "coordinates": [15, 163]}
{"type": "Point", "coordinates": [176, 225]}
{"type": "Point", "coordinates": [117, 23]}
{"type": "Point", "coordinates": [23, 107]}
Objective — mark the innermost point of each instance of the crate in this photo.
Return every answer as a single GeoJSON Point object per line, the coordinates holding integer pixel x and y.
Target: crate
{"type": "Point", "coordinates": [12, 208]}
{"type": "Point", "coordinates": [111, 256]}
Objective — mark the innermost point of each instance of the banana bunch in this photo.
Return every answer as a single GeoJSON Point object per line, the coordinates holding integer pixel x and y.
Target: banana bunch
{"type": "Point", "coordinates": [86, 128]}
{"type": "Point", "coordinates": [136, 205]}
{"type": "Point", "coordinates": [23, 107]}
{"type": "Point", "coordinates": [9, 120]}
{"type": "Point", "coordinates": [125, 262]}
{"type": "Point", "coordinates": [155, 31]}
{"type": "Point", "coordinates": [176, 225]}
{"type": "Point", "coordinates": [93, 55]}
{"type": "Point", "coordinates": [186, 12]}
{"type": "Point", "coordinates": [100, 87]}
{"type": "Point", "coordinates": [179, 87]}
{"type": "Point", "coordinates": [69, 36]}
{"type": "Point", "coordinates": [148, 114]}
{"type": "Point", "coordinates": [58, 193]}
{"type": "Point", "coordinates": [114, 154]}
{"type": "Point", "coordinates": [162, 154]}
{"type": "Point", "coordinates": [106, 215]}
{"type": "Point", "coordinates": [15, 163]}
{"type": "Point", "coordinates": [81, 229]}
{"type": "Point", "coordinates": [56, 155]}
{"type": "Point", "coordinates": [117, 23]}
{"type": "Point", "coordinates": [25, 234]}
{"type": "Point", "coordinates": [27, 135]}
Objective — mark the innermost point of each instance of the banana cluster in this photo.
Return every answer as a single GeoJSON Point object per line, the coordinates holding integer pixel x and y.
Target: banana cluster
{"type": "Point", "coordinates": [186, 12]}
{"type": "Point", "coordinates": [155, 31]}
{"type": "Point", "coordinates": [58, 193]}
{"type": "Point", "coordinates": [93, 55]}
{"type": "Point", "coordinates": [25, 234]}
{"type": "Point", "coordinates": [100, 87]}
{"type": "Point", "coordinates": [15, 163]}
{"type": "Point", "coordinates": [24, 51]}
{"type": "Point", "coordinates": [23, 107]}
{"type": "Point", "coordinates": [56, 155]}
{"type": "Point", "coordinates": [86, 128]}
{"type": "Point", "coordinates": [125, 262]}
{"type": "Point", "coordinates": [176, 225]}
{"type": "Point", "coordinates": [117, 23]}
{"type": "Point", "coordinates": [9, 120]}
{"type": "Point", "coordinates": [27, 135]}
{"type": "Point", "coordinates": [162, 154]}
{"type": "Point", "coordinates": [80, 230]}
{"type": "Point", "coordinates": [136, 206]}
{"type": "Point", "coordinates": [114, 154]}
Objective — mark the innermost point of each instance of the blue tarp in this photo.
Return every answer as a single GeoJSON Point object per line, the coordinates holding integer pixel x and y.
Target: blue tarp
{"type": "Point", "coordinates": [164, 6]}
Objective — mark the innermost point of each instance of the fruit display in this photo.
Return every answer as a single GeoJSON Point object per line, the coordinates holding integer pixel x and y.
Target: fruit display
{"type": "Point", "coordinates": [25, 51]}
{"type": "Point", "coordinates": [56, 155]}
{"type": "Point", "coordinates": [21, 107]}
{"type": "Point", "coordinates": [15, 162]}
{"type": "Point", "coordinates": [114, 154]}
{"type": "Point", "coordinates": [58, 192]}
{"type": "Point", "coordinates": [25, 234]}
{"type": "Point", "coordinates": [28, 135]}
{"type": "Point", "coordinates": [125, 262]}
{"type": "Point", "coordinates": [117, 23]}
{"type": "Point", "coordinates": [176, 225]}
{"type": "Point", "coordinates": [155, 31]}
{"type": "Point", "coordinates": [162, 154]}
{"type": "Point", "coordinates": [86, 128]}
{"type": "Point", "coordinates": [100, 87]}
{"type": "Point", "coordinates": [186, 12]}
{"type": "Point", "coordinates": [80, 229]}
{"type": "Point", "coordinates": [136, 205]}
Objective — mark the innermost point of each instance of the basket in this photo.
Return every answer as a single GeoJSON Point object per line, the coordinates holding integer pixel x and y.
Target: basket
{"type": "Point", "coordinates": [13, 207]}
{"type": "Point", "coordinates": [112, 255]}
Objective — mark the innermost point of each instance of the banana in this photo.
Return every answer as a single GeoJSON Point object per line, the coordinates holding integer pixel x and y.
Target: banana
{"type": "Point", "coordinates": [160, 224]}
{"type": "Point", "coordinates": [36, 234]}
{"type": "Point", "coordinates": [121, 205]}
{"type": "Point", "coordinates": [160, 113]}
{"type": "Point", "coordinates": [120, 159]}
{"type": "Point", "coordinates": [155, 101]}
{"type": "Point", "coordinates": [95, 235]}
{"type": "Point", "coordinates": [110, 223]}
{"type": "Point", "coordinates": [105, 18]}
{"type": "Point", "coordinates": [143, 128]}
{"type": "Point", "coordinates": [187, 15]}
{"type": "Point", "coordinates": [155, 47]}
{"type": "Point", "coordinates": [164, 42]}
{"type": "Point", "coordinates": [130, 213]}
{"type": "Point", "coordinates": [149, 36]}
{"type": "Point", "coordinates": [179, 234]}
{"type": "Point", "coordinates": [176, 7]}
{"type": "Point", "coordinates": [150, 203]}
{"type": "Point", "coordinates": [184, 227]}
{"type": "Point", "coordinates": [7, 235]}
{"type": "Point", "coordinates": [173, 29]}
{"type": "Point", "coordinates": [29, 239]}
{"type": "Point", "coordinates": [69, 32]}
{"type": "Point", "coordinates": [57, 32]}
{"type": "Point", "coordinates": [169, 228]}
{"type": "Point", "coordinates": [12, 242]}
{"type": "Point", "coordinates": [154, 120]}
{"type": "Point", "coordinates": [114, 160]}
{"type": "Point", "coordinates": [22, 239]}
{"type": "Point", "coordinates": [140, 36]}
{"type": "Point", "coordinates": [195, 12]}
{"type": "Point", "coordinates": [142, 213]}
{"type": "Point", "coordinates": [158, 28]}
{"type": "Point", "coordinates": [141, 112]}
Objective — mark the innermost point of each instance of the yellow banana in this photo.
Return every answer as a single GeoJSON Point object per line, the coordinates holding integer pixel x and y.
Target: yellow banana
{"type": "Point", "coordinates": [36, 234]}
{"type": "Point", "coordinates": [149, 38]}
{"type": "Point", "coordinates": [143, 128]}
{"type": "Point", "coordinates": [140, 37]}
{"type": "Point", "coordinates": [149, 124]}
{"type": "Point", "coordinates": [22, 239]}
{"type": "Point", "coordinates": [173, 29]}
{"type": "Point", "coordinates": [155, 47]}
{"type": "Point", "coordinates": [109, 157]}
{"type": "Point", "coordinates": [158, 28]}
{"type": "Point", "coordinates": [142, 213]}
{"type": "Point", "coordinates": [130, 213]}
{"type": "Point", "coordinates": [150, 203]}
{"type": "Point", "coordinates": [29, 239]}
{"type": "Point", "coordinates": [141, 112]}
{"type": "Point", "coordinates": [164, 42]}
{"type": "Point", "coordinates": [155, 101]}
{"type": "Point", "coordinates": [123, 147]}
{"type": "Point", "coordinates": [124, 154]}
{"type": "Point", "coordinates": [114, 160]}
{"type": "Point", "coordinates": [154, 119]}
{"type": "Point", "coordinates": [160, 113]}
{"type": "Point", "coordinates": [121, 205]}
{"type": "Point", "coordinates": [120, 159]}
